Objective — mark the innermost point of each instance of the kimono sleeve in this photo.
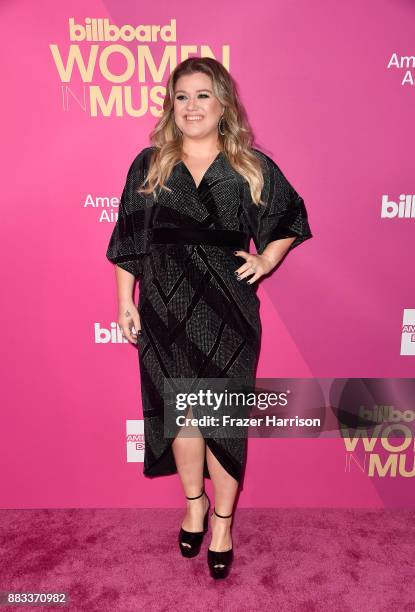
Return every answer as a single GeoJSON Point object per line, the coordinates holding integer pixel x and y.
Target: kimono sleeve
{"type": "Point", "coordinates": [284, 214]}
{"type": "Point", "coordinates": [129, 241]}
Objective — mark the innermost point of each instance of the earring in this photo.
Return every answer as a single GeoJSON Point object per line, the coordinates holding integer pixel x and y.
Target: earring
{"type": "Point", "coordinates": [221, 127]}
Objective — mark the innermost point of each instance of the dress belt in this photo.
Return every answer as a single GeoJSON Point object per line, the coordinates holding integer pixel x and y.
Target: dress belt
{"type": "Point", "coordinates": [218, 237]}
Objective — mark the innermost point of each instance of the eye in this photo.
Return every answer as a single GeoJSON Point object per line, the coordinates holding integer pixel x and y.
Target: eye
{"type": "Point", "coordinates": [182, 96]}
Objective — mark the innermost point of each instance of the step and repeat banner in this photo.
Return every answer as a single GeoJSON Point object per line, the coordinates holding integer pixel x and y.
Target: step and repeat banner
{"type": "Point", "coordinates": [329, 92]}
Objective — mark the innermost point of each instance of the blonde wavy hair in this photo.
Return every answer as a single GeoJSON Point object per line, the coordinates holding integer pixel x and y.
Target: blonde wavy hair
{"type": "Point", "coordinates": [237, 143]}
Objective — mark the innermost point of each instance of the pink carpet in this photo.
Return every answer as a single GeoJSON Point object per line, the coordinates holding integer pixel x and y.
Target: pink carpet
{"type": "Point", "coordinates": [285, 559]}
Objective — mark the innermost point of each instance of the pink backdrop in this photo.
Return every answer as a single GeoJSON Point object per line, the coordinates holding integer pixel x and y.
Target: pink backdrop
{"type": "Point", "coordinates": [323, 103]}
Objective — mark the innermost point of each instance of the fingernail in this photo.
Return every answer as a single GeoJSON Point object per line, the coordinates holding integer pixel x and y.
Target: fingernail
{"type": "Point", "coordinates": [235, 252]}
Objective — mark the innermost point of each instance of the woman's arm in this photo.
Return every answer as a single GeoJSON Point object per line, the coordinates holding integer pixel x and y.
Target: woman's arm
{"type": "Point", "coordinates": [264, 262]}
{"type": "Point", "coordinates": [278, 227]}
{"type": "Point", "coordinates": [128, 246]}
{"type": "Point", "coordinates": [276, 250]}
{"type": "Point", "coordinates": [128, 317]}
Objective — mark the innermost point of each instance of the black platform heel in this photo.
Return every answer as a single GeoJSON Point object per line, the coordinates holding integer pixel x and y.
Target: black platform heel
{"type": "Point", "coordinates": [191, 541]}
{"type": "Point", "coordinates": [220, 562]}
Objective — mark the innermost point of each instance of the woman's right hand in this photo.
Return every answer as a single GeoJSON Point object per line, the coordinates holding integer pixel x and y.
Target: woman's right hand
{"type": "Point", "coordinates": [129, 321]}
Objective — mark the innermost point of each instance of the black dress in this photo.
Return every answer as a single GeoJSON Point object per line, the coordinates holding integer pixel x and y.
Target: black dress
{"type": "Point", "coordinates": [197, 319]}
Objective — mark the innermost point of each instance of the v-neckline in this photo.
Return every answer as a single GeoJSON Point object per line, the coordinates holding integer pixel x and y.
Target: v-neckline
{"type": "Point", "coordinates": [204, 174]}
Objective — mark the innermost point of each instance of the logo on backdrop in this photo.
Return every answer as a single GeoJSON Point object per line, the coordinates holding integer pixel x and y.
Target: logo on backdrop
{"type": "Point", "coordinates": [100, 69]}
{"type": "Point", "coordinates": [405, 64]}
{"type": "Point", "coordinates": [404, 208]}
{"type": "Point", "coordinates": [376, 419]}
{"type": "Point", "coordinates": [388, 451]}
{"type": "Point", "coordinates": [106, 206]}
{"type": "Point", "coordinates": [135, 441]}
{"type": "Point", "coordinates": [408, 332]}
{"type": "Point", "coordinates": [104, 335]}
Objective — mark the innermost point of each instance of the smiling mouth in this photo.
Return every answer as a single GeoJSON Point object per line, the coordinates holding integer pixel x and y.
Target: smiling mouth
{"type": "Point", "coordinates": [194, 117]}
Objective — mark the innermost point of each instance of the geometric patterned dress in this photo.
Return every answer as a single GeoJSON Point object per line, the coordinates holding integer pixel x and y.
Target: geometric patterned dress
{"type": "Point", "coordinates": [198, 320]}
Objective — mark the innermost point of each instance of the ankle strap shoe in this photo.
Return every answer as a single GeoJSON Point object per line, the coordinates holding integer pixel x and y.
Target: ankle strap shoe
{"type": "Point", "coordinates": [219, 562]}
{"type": "Point", "coordinates": [191, 541]}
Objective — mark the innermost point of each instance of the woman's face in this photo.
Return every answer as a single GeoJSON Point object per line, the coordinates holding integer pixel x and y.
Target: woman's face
{"type": "Point", "coordinates": [196, 109]}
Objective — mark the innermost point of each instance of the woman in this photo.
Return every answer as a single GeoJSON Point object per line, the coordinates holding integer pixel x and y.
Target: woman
{"type": "Point", "coordinates": [190, 205]}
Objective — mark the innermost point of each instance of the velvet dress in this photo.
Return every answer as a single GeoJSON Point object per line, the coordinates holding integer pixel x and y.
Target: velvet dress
{"type": "Point", "coordinates": [198, 320]}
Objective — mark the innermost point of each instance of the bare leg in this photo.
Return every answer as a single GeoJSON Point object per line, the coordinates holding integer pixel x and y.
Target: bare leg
{"type": "Point", "coordinates": [225, 488]}
{"type": "Point", "coordinates": [189, 452]}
